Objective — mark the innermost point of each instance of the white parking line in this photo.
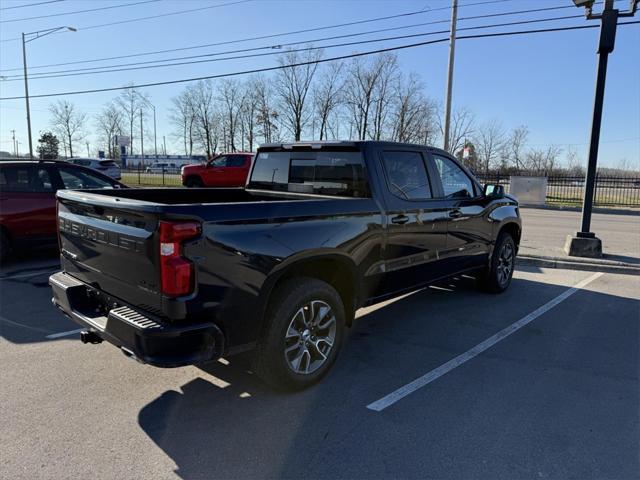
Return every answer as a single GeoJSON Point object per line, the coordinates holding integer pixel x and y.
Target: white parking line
{"type": "Point", "coordinates": [64, 334]}
{"type": "Point", "coordinates": [436, 373]}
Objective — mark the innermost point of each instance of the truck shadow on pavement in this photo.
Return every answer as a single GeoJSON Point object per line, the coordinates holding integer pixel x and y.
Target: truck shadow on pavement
{"type": "Point", "coordinates": [227, 424]}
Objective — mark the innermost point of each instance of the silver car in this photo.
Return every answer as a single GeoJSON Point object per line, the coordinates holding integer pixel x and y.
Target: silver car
{"type": "Point", "coordinates": [105, 166]}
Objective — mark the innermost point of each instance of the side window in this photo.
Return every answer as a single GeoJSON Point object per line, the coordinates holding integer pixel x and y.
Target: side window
{"type": "Point", "coordinates": [26, 179]}
{"type": "Point", "coordinates": [455, 182]}
{"type": "Point", "coordinates": [75, 179]}
{"type": "Point", "coordinates": [219, 162]}
{"type": "Point", "coordinates": [236, 161]}
{"type": "Point", "coordinates": [406, 175]}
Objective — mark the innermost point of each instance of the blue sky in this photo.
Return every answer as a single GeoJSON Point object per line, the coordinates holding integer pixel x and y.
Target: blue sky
{"type": "Point", "coordinates": [544, 81]}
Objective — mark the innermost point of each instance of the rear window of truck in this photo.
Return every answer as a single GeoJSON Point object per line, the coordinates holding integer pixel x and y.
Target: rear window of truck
{"type": "Point", "coordinates": [337, 173]}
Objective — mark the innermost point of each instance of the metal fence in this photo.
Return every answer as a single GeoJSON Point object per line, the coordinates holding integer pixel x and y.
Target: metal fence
{"type": "Point", "coordinates": [561, 189]}
{"type": "Point", "coordinates": [146, 177]}
{"type": "Point", "coordinates": [569, 190]}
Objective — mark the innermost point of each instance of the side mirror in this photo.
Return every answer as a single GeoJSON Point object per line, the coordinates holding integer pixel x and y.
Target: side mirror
{"type": "Point", "coordinates": [494, 191]}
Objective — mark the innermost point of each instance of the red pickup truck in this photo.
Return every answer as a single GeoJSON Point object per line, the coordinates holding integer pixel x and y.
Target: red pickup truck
{"type": "Point", "coordinates": [225, 170]}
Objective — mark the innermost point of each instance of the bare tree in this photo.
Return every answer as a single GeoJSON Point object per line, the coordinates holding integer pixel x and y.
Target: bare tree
{"type": "Point", "coordinates": [207, 118]}
{"type": "Point", "coordinates": [413, 115]}
{"type": "Point", "coordinates": [292, 87]}
{"type": "Point", "coordinates": [362, 78]}
{"type": "Point", "coordinates": [230, 95]}
{"type": "Point", "coordinates": [383, 92]}
{"type": "Point", "coordinates": [543, 161]}
{"type": "Point", "coordinates": [250, 111]}
{"type": "Point", "coordinates": [109, 122]}
{"type": "Point", "coordinates": [68, 123]}
{"type": "Point", "coordinates": [132, 102]}
{"type": "Point", "coordinates": [327, 95]}
{"type": "Point", "coordinates": [462, 128]}
{"type": "Point", "coordinates": [515, 147]}
{"type": "Point", "coordinates": [267, 115]}
{"type": "Point", "coordinates": [574, 164]}
{"type": "Point", "coordinates": [489, 141]}
{"type": "Point", "coordinates": [183, 117]}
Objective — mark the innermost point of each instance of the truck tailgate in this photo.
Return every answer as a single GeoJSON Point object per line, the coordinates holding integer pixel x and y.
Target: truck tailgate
{"type": "Point", "coordinates": [113, 249]}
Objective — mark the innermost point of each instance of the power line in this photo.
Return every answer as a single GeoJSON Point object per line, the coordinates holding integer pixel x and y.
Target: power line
{"type": "Point", "coordinates": [111, 69]}
{"type": "Point", "coordinates": [78, 11]}
{"type": "Point", "coordinates": [299, 64]}
{"type": "Point", "coordinates": [275, 35]}
{"type": "Point", "coordinates": [475, 17]}
{"type": "Point", "coordinates": [32, 4]}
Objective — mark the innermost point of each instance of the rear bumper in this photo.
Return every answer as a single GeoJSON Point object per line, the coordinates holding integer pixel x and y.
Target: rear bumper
{"type": "Point", "coordinates": [137, 334]}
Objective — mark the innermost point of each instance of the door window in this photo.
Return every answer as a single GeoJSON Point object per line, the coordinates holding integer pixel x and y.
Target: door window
{"type": "Point", "coordinates": [236, 161]}
{"type": "Point", "coordinates": [218, 162]}
{"type": "Point", "coordinates": [27, 179]}
{"type": "Point", "coordinates": [75, 179]}
{"type": "Point", "coordinates": [406, 175]}
{"type": "Point", "coordinates": [455, 182]}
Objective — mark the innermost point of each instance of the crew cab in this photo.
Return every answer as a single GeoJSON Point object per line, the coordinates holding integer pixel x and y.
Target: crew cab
{"type": "Point", "coordinates": [183, 276]}
{"type": "Point", "coordinates": [225, 170]}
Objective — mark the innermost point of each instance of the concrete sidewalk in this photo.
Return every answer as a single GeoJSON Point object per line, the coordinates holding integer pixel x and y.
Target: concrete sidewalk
{"type": "Point", "coordinates": [544, 233]}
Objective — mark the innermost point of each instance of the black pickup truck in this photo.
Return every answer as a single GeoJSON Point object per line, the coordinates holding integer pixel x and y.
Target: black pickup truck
{"type": "Point", "coordinates": [175, 277]}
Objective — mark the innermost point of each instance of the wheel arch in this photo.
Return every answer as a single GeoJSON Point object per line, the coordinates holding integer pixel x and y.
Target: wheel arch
{"type": "Point", "coordinates": [337, 270]}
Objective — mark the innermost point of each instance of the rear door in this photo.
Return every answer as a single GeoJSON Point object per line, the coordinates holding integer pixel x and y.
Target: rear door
{"type": "Point", "coordinates": [469, 230]}
{"type": "Point", "coordinates": [416, 221]}
{"type": "Point", "coordinates": [27, 200]}
{"type": "Point", "coordinates": [235, 172]}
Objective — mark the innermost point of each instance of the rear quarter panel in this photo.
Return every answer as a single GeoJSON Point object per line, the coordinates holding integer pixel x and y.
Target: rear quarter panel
{"type": "Point", "coordinates": [245, 248]}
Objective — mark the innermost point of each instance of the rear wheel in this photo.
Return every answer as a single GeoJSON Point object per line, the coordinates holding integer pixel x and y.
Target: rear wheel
{"type": "Point", "coordinates": [5, 246]}
{"type": "Point", "coordinates": [304, 328]}
{"type": "Point", "coordinates": [194, 182]}
{"type": "Point", "coordinates": [497, 276]}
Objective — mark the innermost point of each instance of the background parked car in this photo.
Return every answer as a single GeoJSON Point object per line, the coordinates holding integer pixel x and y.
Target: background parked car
{"type": "Point", "coordinates": [226, 170]}
{"type": "Point", "coordinates": [165, 167]}
{"type": "Point", "coordinates": [103, 165]}
{"type": "Point", "coordinates": [28, 199]}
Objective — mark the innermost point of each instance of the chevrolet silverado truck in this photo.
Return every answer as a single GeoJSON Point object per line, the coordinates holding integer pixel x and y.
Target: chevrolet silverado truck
{"type": "Point", "coordinates": [175, 277]}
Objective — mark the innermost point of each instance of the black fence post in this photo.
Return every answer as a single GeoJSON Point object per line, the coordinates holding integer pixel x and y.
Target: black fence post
{"type": "Point", "coordinates": [163, 177]}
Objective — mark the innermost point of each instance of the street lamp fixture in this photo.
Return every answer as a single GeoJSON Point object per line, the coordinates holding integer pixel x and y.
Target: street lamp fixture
{"type": "Point", "coordinates": [26, 38]}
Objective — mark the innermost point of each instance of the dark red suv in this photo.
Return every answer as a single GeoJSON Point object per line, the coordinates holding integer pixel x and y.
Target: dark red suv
{"type": "Point", "coordinates": [226, 170]}
{"type": "Point", "coordinates": [28, 199]}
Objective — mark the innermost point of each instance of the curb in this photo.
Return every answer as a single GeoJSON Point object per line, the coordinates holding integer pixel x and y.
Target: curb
{"type": "Point", "coordinates": [593, 265]}
{"type": "Point", "coordinates": [567, 208]}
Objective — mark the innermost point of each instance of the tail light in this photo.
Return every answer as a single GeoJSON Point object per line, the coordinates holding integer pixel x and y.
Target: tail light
{"type": "Point", "coordinates": [176, 272]}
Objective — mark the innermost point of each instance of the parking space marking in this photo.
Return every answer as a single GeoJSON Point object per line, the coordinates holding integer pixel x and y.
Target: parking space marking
{"type": "Point", "coordinates": [64, 334]}
{"type": "Point", "coordinates": [436, 373]}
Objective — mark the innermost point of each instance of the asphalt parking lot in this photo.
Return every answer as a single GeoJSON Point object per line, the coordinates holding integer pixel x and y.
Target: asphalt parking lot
{"type": "Point", "coordinates": [540, 382]}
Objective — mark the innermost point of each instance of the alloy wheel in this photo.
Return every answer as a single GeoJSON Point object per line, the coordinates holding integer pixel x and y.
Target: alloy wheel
{"type": "Point", "coordinates": [310, 337]}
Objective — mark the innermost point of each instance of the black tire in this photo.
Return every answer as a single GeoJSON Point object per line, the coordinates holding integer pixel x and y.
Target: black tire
{"type": "Point", "coordinates": [497, 276]}
{"type": "Point", "coordinates": [194, 182]}
{"type": "Point", "coordinates": [291, 307]}
{"type": "Point", "coordinates": [5, 246]}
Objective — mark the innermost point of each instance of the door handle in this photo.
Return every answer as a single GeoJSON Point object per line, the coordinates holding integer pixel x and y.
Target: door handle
{"type": "Point", "coordinates": [455, 213]}
{"type": "Point", "coordinates": [400, 219]}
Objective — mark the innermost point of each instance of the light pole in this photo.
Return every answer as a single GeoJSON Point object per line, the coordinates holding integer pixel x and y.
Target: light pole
{"type": "Point", "coordinates": [452, 53]}
{"type": "Point", "coordinates": [585, 243]}
{"type": "Point", "coordinates": [26, 38]}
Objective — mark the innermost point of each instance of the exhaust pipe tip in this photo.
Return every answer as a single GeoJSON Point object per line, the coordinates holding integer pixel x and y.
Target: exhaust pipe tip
{"type": "Point", "coordinates": [87, 336]}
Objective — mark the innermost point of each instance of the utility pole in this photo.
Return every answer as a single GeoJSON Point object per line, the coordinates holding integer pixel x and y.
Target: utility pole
{"type": "Point", "coordinates": [141, 137]}
{"type": "Point", "coordinates": [155, 135]}
{"type": "Point", "coordinates": [585, 243]}
{"type": "Point", "coordinates": [452, 53]}
{"type": "Point", "coordinates": [164, 146]}
{"type": "Point", "coordinates": [88, 154]}
{"type": "Point", "coordinates": [13, 137]}
{"type": "Point", "coordinates": [26, 93]}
